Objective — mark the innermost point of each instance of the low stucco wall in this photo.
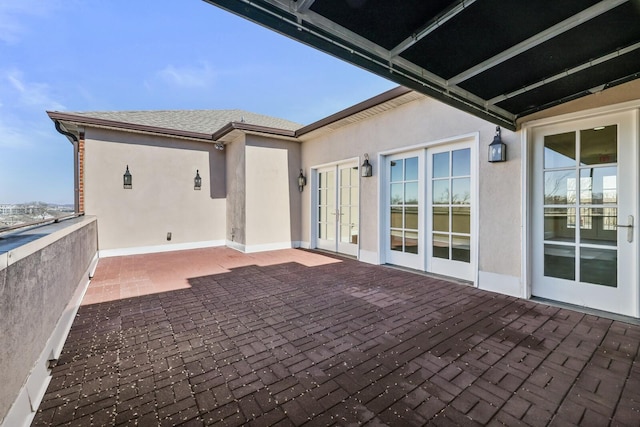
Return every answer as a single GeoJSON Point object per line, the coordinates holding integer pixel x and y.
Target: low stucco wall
{"type": "Point", "coordinates": [38, 279]}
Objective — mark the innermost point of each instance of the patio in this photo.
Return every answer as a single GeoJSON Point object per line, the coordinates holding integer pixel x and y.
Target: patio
{"type": "Point", "coordinates": [293, 337]}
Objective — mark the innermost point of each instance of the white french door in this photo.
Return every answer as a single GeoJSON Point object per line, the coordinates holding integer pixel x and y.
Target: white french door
{"type": "Point", "coordinates": [337, 210]}
{"type": "Point", "coordinates": [584, 213]}
{"type": "Point", "coordinates": [431, 204]}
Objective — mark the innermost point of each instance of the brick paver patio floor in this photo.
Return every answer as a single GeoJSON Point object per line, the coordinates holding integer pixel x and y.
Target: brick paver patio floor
{"type": "Point", "coordinates": [294, 337]}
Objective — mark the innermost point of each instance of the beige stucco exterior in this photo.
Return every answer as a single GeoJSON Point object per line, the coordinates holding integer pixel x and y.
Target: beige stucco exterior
{"type": "Point", "coordinates": [420, 124]}
{"type": "Point", "coordinates": [250, 199]}
{"type": "Point", "coordinates": [162, 199]}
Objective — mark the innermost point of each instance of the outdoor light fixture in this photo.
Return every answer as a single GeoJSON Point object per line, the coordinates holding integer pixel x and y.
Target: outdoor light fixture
{"type": "Point", "coordinates": [127, 179]}
{"type": "Point", "coordinates": [302, 181]}
{"type": "Point", "coordinates": [366, 170]}
{"type": "Point", "coordinates": [497, 149]}
{"type": "Point", "coordinates": [219, 146]}
{"type": "Point", "coordinates": [197, 181]}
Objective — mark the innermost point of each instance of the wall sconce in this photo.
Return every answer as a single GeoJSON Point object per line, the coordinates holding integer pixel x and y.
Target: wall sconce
{"type": "Point", "coordinates": [127, 179]}
{"type": "Point", "coordinates": [197, 181]}
{"type": "Point", "coordinates": [497, 149]}
{"type": "Point", "coordinates": [366, 170]}
{"type": "Point", "coordinates": [302, 181]}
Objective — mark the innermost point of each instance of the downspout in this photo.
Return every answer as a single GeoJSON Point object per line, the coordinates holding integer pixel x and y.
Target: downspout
{"type": "Point", "coordinates": [76, 174]}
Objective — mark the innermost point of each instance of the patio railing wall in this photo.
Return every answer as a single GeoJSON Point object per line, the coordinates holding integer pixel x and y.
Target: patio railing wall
{"type": "Point", "coordinates": [43, 274]}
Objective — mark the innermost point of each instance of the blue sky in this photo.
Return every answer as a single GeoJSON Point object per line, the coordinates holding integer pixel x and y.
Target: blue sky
{"type": "Point", "coordinates": [96, 55]}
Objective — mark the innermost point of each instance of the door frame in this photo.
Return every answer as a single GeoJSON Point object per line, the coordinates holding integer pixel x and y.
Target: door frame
{"type": "Point", "coordinates": [473, 139]}
{"type": "Point", "coordinates": [528, 176]}
{"type": "Point", "coordinates": [313, 217]}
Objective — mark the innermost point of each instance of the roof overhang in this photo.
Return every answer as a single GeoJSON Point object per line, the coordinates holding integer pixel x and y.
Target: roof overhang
{"type": "Point", "coordinates": [497, 60]}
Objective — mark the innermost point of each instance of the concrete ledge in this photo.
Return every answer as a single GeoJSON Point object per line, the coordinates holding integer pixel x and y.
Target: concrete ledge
{"type": "Point", "coordinates": [140, 250]}
{"type": "Point", "coordinates": [44, 274]}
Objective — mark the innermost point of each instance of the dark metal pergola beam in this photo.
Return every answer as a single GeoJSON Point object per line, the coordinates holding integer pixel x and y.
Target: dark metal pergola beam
{"type": "Point", "coordinates": [433, 25]}
{"type": "Point", "coordinates": [536, 40]}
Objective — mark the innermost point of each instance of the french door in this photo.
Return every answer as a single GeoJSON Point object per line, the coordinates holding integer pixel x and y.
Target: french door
{"type": "Point", "coordinates": [584, 200]}
{"type": "Point", "coordinates": [338, 213]}
{"type": "Point", "coordinates": [431, 206]}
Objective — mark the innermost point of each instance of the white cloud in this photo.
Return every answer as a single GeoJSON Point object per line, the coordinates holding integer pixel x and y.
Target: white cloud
{"type": "Point", "coordinates": [201, 76]}
{"type": "Point", "coordinates": [13, 14]}
{"type": "Point", "coordinates": [32, 94]}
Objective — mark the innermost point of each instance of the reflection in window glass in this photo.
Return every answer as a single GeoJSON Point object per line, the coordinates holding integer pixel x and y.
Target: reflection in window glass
{"type": "Point", "coordinates": [461, 194]}
{"type": "Point", "coordinates": [598, 185]}
{"type": "Point", "coordinates": [411, 217]}
{"type": "Point", "coordinates": [599, 266]}
{"type": "Point", "coordinates": [461, 248]}
{"type": "Point", "coordinates": [599, 145]}
{"type": "Point", "coordinates": [560, 150]}
{"type": "Point", "coordinates": [441, 218]}
{"type": "Point", "coordinates": [461, 220]}
{"type": "Point", "coordinates": [597, 226]}
{"type": "Point", "coordinates": [411, 193]}
{"type": "Point", "coordinates": [441, 246]}
{"type": "Point", "coordinates": [461, 162]}
{"type": "Point", "coordinates": [411, 169]}
{"type": "Point", "coordinates": [560, 261]}
{"type": "Point", "coordinates": [560, 224]}
{"type": "Point", "coordinates": [396, 170]}
{"type": "Point", "coordinates": [411, 242]}
{"type": "Point", "coordinates": [441, 165]}
{"type": "Point", "coordinates": [559, 187]}
{"type": "Point", "coordinates": [441, 192]}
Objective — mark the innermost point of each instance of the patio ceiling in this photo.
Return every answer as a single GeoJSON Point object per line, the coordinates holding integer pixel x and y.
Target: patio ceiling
{"type": "Point", "coordinates": [499, 60]}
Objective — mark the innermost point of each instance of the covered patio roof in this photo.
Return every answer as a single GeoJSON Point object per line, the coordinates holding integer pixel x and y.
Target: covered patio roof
{"type": "Point", "coordinates": [497, 60]}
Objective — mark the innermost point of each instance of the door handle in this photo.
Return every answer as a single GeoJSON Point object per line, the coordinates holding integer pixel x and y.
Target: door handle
{"type": "Point", "coordinates": [629, 228]}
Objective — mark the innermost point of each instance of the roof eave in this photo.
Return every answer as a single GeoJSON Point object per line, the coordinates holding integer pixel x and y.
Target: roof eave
{"type": "Point", "coordinates": [114, 124]}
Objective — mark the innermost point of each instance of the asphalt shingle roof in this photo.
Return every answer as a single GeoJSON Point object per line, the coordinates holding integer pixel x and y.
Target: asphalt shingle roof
{"type": "Point", "coordinates": [202, 121]}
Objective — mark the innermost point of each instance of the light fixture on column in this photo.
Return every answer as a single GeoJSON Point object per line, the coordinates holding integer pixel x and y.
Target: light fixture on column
{"type": "Point", "coordinates": [127, 179]}
{"type": "Point", "coordinates": [497, 149]}
{"type": "Point", "coordinates": [302, 181]}
{"type": "Point", "coordinates": [366, 170]}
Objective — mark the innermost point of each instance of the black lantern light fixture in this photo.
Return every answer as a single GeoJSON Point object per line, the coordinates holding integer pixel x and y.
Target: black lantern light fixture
{"type": "Point", "coordinates": [366, 170]}
{"type": "Point", "coordinates": [497, 149]}
{"type": "Point", "coordinates": [127, 179]}
{"type": "Point", "coordinates": [197, 181]}
{"type": "Point", "coordinates": [302, 181]}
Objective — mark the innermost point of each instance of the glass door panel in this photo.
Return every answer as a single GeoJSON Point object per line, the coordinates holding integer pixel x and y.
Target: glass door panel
{"type": "Point", "coordinates": [581, 252]}
{"type": "Point", "coordinates": [326, 221]}
{"type": "Point", "coordinates": [451, 204]}
{"type": "Point", "coordinates": [404, 198]}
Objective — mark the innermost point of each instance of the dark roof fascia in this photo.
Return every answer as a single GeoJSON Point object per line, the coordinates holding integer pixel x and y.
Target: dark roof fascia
{"type": "Point", "coordinates": [246, 127]}
{"type": "Point", "coordinates": [68, 117]}
{"type": "Point", "coordinates": [355, 109]}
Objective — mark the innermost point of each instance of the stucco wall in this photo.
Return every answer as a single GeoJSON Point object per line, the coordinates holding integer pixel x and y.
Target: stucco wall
{"type": "Point", "coordinates": [162, 199]}
{"type": "Point", "coordinates": [272, 195]}
{"type": "Point", "coordinates": [421, 122]}
{"type": "Point", "coordinates": [235, 212]}
{"type": "Point", "coordinates": [35, 288]}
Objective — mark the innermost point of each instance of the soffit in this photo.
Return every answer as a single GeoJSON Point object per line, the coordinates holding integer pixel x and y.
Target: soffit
{"type": "Point", "coordinates": [495, 59]}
